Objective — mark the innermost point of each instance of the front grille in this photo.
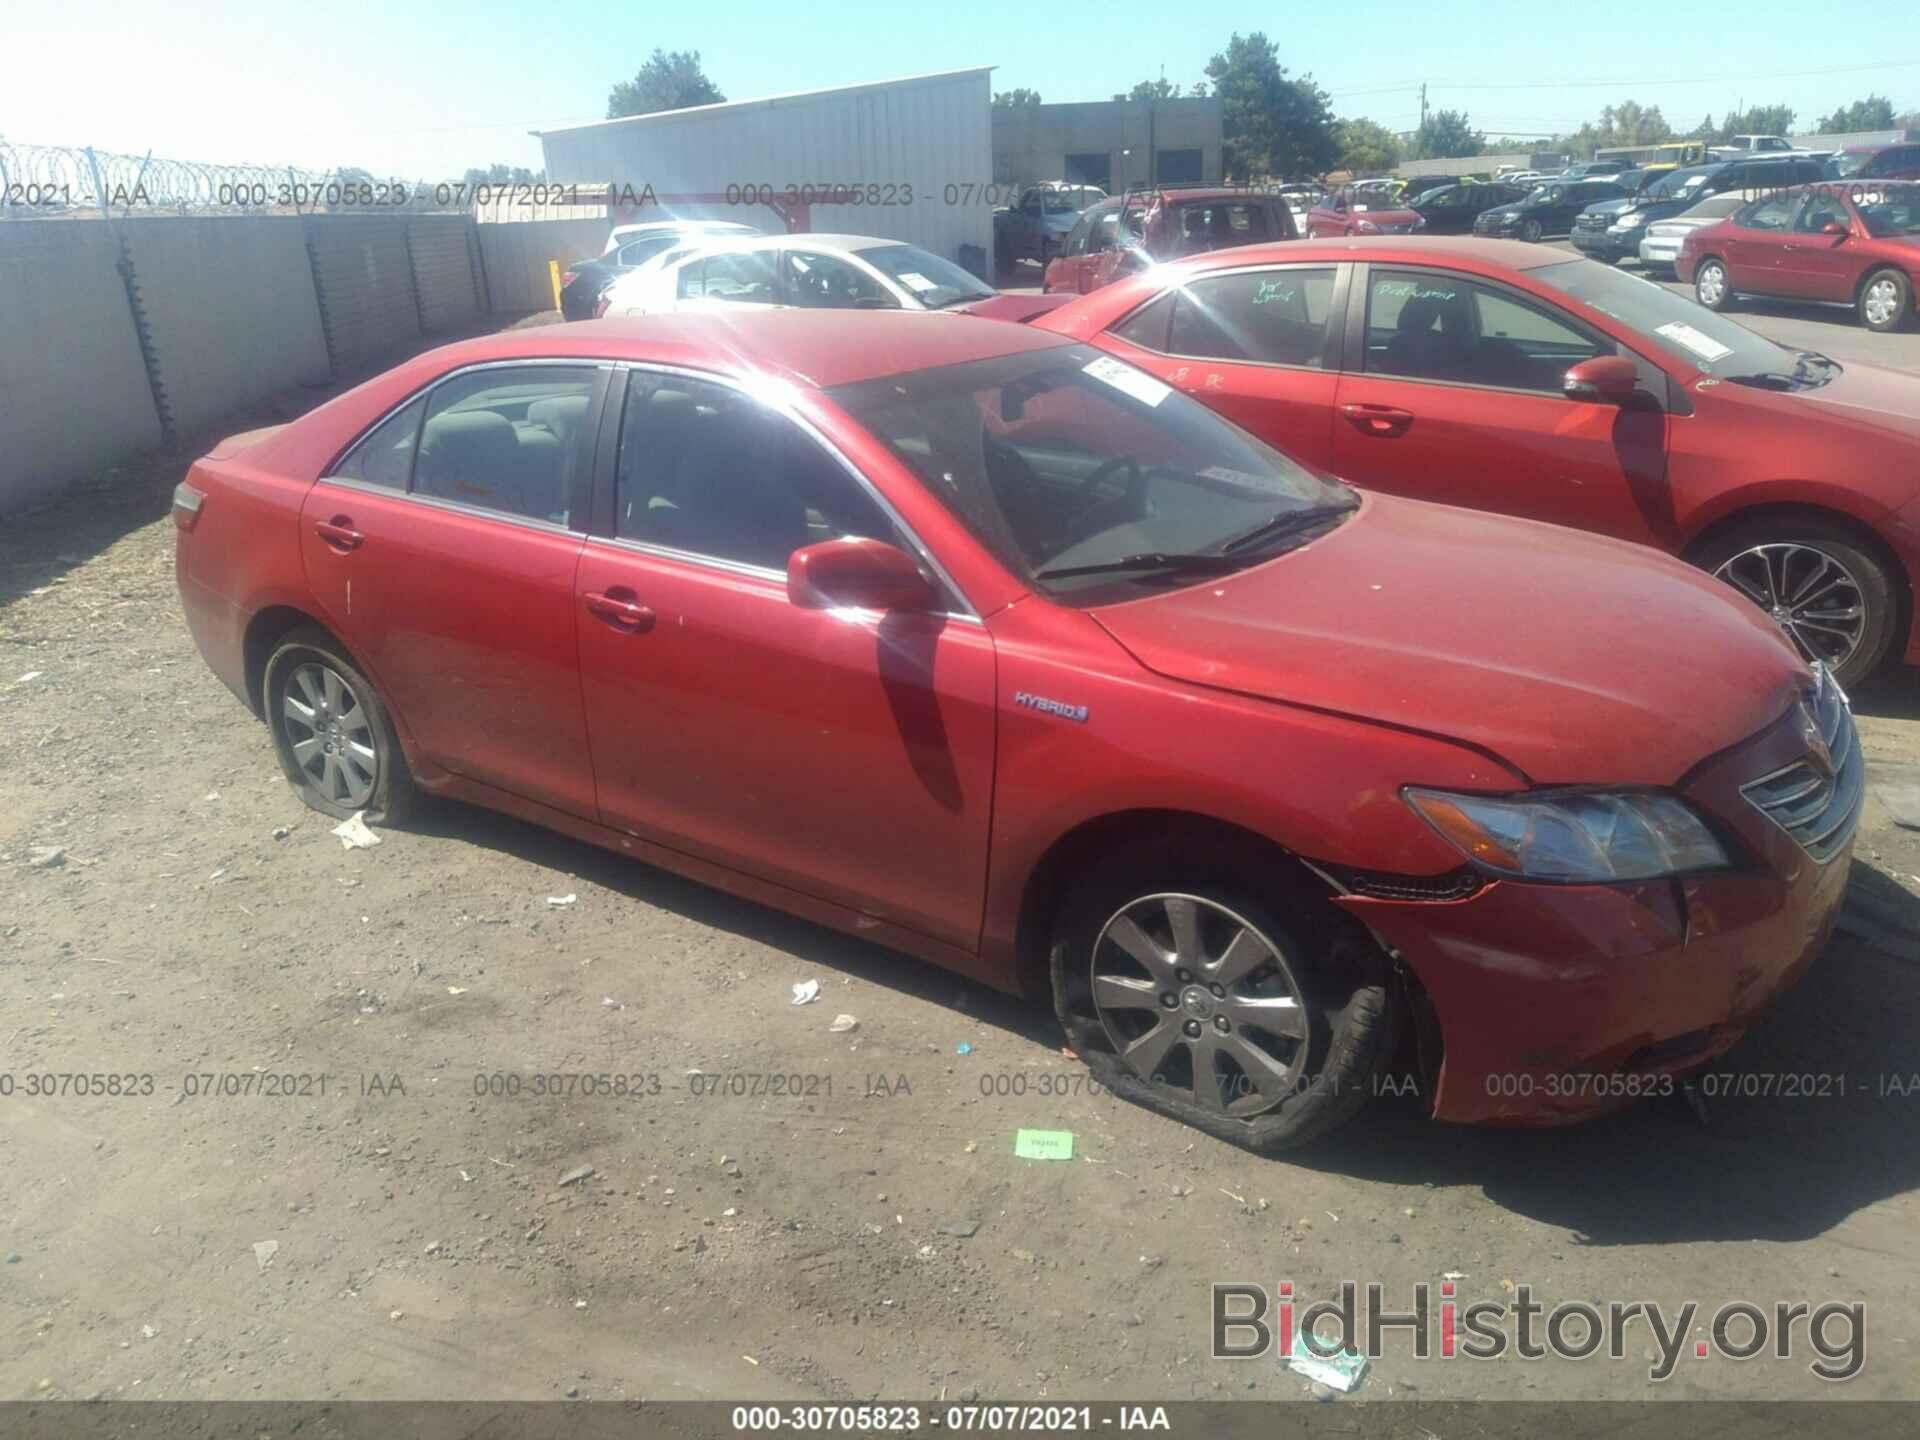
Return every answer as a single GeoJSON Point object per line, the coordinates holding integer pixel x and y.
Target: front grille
{"type": "Point", "coordinates": [1394, 229]}
{"type": "Point", "coordinates": [1596, 223]}
{"type": "Point", "coordinates": [1818, 800]}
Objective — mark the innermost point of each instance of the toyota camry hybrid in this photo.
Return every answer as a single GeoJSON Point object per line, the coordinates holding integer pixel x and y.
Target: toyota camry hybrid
{"type": "Point", "coordinates": [973, 640]}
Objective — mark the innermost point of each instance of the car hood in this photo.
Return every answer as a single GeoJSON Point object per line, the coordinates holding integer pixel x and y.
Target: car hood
{"type": "Point", "coordinates": [1872, 398]}
{"type": "Point", "coordinates": [1611, 207]}
{"type": "Point", "coordinates": [1015, 307]}
{"type": "Point", "coordinates": [1573, 658]}
{"type": "Point", "coordinates": [1500, 214]}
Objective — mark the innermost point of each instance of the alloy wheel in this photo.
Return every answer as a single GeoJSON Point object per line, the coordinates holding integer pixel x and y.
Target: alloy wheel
{"type": "Point", "coordinates": [1809, 594]}
{"type": "Point", "coordinates": [330, 734]}
{"type": "Point", "coordinates": [1711, 283]}
{"type": "Point", "coordinates": [1198, 1002]}
{"type": "Point", "coordinates": [1882, 301]}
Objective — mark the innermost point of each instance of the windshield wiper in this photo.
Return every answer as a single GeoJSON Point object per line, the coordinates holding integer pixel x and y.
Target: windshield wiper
{"type": "Point", "coordinates": [961, 300]}
{"type": "Point", "coordinates": [1287, 522]}
{"type": "Point", "coordinates": [1206, 562]}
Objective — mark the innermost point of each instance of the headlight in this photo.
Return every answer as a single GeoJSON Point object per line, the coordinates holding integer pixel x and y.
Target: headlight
{"type": "Point", "coordinates": [1583, 836]}
{"type": "Point", "coordinates": [1632, 220]}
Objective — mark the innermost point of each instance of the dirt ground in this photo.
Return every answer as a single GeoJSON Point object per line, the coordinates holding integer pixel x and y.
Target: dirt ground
{"type": "Point", "coordinates": [399, 1234]}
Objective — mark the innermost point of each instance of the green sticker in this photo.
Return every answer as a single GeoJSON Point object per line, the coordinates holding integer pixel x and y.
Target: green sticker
{"type": "Point", "coordinates": [1044, 1144]}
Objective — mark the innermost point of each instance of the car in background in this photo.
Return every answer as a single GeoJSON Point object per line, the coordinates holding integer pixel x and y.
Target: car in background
{"type": "Point", "coordinates": [1519, 379]}
{"type": "Point", "coordinates": [982, 645]}
{"type": "Point", "coordinates": [1661, 239]}
{"type": "Point", "coordinates": [1452, 209]}
{"type": "Point", "coordinates": [1876, 162]}
{"type": "Point", "coordinates": [629, 247]}
{"type": "Point", "coordinates": [1547, 212]}
{"type": "Point", "coordinates": [1755, 145]}
{"type": "Point", "coordinates": [1597, 170]}
{"type": "Point", "coordinates": [1612, 230]}
{"type": "Point", "coordinates": [1354, 211]}
{"type": "Point", "coordinates": [1036, 228]}
{"type": "Point", "coordinates": [1852, 243]}
{"type": "Point", "coordinates": [1146, 227]}
{"type": "Point", "coordinates": [816, 272]}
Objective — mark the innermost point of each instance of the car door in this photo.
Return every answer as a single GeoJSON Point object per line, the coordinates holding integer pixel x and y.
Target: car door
{"type": "Point", "coordinates": [1754, 247]}
{"type": "Point", "coordinates": [442, 548]}
{"type": "Point", "coordinates": [728, 280]}
{"type": "Point", "coordinates": [844, 754]}
{"type": "Point", "coordinates": [1451, 391]}
{"type": "Point", "coordinates": [1258, 345]}
{"type": "Point", "coordinates": [1813, 264]}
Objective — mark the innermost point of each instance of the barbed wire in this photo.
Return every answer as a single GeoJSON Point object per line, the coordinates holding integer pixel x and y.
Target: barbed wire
{"type": "Point", "coordinates": [77, 181]}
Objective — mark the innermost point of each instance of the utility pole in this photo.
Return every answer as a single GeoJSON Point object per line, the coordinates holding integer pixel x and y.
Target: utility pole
{"type": "Point", "coordinates": [1423, 104]}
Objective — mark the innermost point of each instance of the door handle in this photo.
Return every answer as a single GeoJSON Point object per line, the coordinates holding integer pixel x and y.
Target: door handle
{"type": "Point", "coordinates": [339, 533]}
{"type": "Point", "coordinates": [1384, 421]}
{"type": "Point", "coordinates": [622, 614]}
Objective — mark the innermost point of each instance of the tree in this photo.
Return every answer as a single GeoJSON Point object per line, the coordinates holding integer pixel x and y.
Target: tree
{"type": "Point", "coordinates": [1873, 113]}
{"type": "Point", "coordinates": [1161, 89]}
{"type": "Point", "coordinates": [1760, 120]}
{"type": "Point", "coordinates": [498, 174]}
{"type": "Point", "coordinates": [353, 175]}
{"type": "Point", "coordinates": [1008, 98]}
{"type": "Point", "coordinates": [1365, 147]}
{"type": "Point", "coordinates": [1446, 135]}
{"type": "Point", "coordinates": [666, 82]}
{"type": "Point", "coordinates": [1273, 126]}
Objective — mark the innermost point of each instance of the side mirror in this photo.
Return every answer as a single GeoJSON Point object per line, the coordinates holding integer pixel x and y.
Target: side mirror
{"type": "Point", "coordinates": [1603, 380]}
{"type": "Point", "coordinates": [1834, 227]}
{"type": "Point", "coordinates": [862, 574]}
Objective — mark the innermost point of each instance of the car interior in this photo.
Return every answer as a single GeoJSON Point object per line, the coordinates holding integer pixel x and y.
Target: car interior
{"type": "Point", "coordinates": [509, 447]}
{"type": "Point", "coordinates": [1468, 336]}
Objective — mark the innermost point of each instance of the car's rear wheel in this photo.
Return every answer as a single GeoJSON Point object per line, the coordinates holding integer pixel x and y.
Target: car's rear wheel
{"type": "Point", "coordinates": [1886, 300]}
{"type": "Point", "coordinates": [1710, 285]}
{"type": "Point", "coordinates": [332, 734]}
{"type": "Point", "coordinates": [1835, 599]}
{"type": "Point", "coordinates": [1216, 992]}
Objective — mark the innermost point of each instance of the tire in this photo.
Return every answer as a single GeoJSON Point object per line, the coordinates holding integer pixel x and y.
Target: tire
{"type": "Point", "coordinates": [1336, 979]}
{"type": "Point", "coordinates": [1887, 295]}
{"type": "Point", "coordinates": [1711, 286]}
{"type": "Point", "coordinates": [367, 772]}
{"type": "Point", "coordinates": [1786, 554]}
{"type": "Point", "coordinates": [1530, 231]}
{"type": "Point", "coordinates": [1313, 232]}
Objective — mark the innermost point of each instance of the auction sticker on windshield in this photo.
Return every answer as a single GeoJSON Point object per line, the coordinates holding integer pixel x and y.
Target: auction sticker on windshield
{"type": "Point", "coordinates": [1705, 346]}
{"type": "Point", "coordinates": [915, 281]}
{"type": "Point", "coordinates": [1128, 381]}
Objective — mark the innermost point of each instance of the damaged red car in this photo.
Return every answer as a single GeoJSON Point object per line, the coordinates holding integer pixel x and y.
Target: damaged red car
{"type": "Point", "coordinates": [986, 646]}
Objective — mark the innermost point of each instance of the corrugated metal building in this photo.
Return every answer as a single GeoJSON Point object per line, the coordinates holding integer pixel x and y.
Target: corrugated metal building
{"type": "Point", "coordinates": [920, 149]}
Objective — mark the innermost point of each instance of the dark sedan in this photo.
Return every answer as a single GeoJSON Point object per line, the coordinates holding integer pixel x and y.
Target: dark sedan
{"type": "Point", "coordinates": [1548, 212]}
{"type": "Point", "coordinates": [1452, 209]}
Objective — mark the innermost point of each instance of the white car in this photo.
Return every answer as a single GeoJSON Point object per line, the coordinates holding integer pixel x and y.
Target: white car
{"type": "Point", "coordinates": [1660, 246]}
{"type": "Point", "coordinates": [625, 235]}
{"type": "Point", "coordinates": [847, 272]}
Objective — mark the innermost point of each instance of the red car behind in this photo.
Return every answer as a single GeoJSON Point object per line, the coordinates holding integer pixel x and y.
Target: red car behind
{"type": "Point", "coordinates": [978, 643]}
{"type": "Point", "coordinates": [1361, 212]}
{"type": "Point", "coordinates": [1146, 227]}
{"type": "Point", "coordinates": [1853, 243]}
{"type": "Point", "coordinates": [1512, 378]}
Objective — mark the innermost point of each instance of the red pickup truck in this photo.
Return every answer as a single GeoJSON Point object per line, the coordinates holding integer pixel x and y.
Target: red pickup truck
{"type": "Point", "coordinates": [1133, 231]}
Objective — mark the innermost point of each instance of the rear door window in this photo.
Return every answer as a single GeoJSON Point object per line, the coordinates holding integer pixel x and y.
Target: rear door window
{"type": "Point", "coordinates": [1271, 317]}
{"type": "Point", "coordinates": [511, 439]}
{"type": "Point", "coordinates": [385, 457]}
{"type": "Point", "coordinates": [744, 278]}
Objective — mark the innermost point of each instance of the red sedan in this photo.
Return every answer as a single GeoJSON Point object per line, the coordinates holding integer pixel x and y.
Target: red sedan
{"type": "Point", "coordinates": [1852, 243]}
{"type": "Point", "coordinates": [1509, 377]}
{"type": "Point", "coordinates": [979, 643]}
{"type": "Point", "coordinates": [1361, 212]}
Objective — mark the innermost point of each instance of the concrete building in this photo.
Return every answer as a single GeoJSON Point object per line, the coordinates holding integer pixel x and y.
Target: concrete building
{"type": "Point", "coordinates": [916, 149]}
{"type": "Point", "coordinates": [1109, 143]}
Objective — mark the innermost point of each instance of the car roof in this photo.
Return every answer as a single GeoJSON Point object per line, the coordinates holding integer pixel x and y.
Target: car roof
{"type": "Point", "coordinates": [806, 240]}
{"type": "Point", "coordinates": [818, 349]}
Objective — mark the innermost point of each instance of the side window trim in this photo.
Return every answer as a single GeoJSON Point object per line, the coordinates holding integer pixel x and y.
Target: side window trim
{"type": "Point", "coordinates": [606, 480]}
{"type": "Point", "coordinates": [1332, 352]}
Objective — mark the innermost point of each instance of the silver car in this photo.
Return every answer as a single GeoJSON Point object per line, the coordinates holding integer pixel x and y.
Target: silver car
{"type": "Point", "coordinates": [1660, 246]}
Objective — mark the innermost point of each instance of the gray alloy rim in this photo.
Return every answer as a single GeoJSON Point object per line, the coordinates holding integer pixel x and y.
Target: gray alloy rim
{"type": "Point", "coordinates": [1883, 301]}
{"type": "Point", "coordinates": [1712, 284]}
{"type": "Point", "coordinates": [330, 734]}
{"type": "Point", "coordinates": [1199, 1003]}
{"type": "Point", "coordinates": [1809, 594]}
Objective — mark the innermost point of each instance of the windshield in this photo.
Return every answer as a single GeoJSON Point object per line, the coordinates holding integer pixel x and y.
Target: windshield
{"type": "Point", "coordinates": [1546, 195]}
{"type": "Point", "coordinates": [1890, 210]}
{"type": "Point", "coordinates": [1068, 202]}
{"type": "Point", "coordinates": [934, 282]}
{"type": "Point", "coordinates": [1685, 330]}
{"type": "Point", "coordinates": [1848, 161]}
{"type": "Point", "coordinates": [1066, 458]}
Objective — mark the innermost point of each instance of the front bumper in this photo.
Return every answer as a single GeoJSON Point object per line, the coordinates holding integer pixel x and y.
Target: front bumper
{"type": "Point", "coordinates": [1556, 1002]}
{"type": "Point", "coordinates": [1659, 250]}
{"type": "Point", "coordinates": [1605, 244]}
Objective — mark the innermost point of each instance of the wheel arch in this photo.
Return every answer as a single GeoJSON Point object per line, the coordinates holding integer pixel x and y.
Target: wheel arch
{"type": "Point", "coordinates": [1883, 267]}
{"type": "Point", "coordinates": [272, 623]}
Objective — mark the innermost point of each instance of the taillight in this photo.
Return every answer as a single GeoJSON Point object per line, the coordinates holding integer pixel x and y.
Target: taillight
{"type": "Point", "coordinates": [186, 505]}
{"type": "Point", "coordinates": [600, 307]}
{"type": "Point", "coordinates": [566, 278]}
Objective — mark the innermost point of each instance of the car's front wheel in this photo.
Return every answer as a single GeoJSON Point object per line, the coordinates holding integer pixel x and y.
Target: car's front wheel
{"type": "Point", "coordinates": [1885, 301]}
{"type": "Point", "coordinates": [1530, 231]}
{"type": "Point", "coordinates": [1218, 993]}
{"type": "Point", "coordinates": [332, 734]}
{"type": "Point", "coordinates": [1710, 285]}
{"type": "Point", "coordinates": [1835, 598]}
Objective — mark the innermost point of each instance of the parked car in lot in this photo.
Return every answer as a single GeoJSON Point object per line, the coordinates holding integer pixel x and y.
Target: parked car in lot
{"type": "Point", "coordinates": [1353, 211]}
{"type": "Point", "coordinates": [1612, 229]}
{"type": "Point", "coordinates": [629, 247]}
{"type": "Point", "coordinates": [1876, 162]}
{"type": "Point", "coordinates": [1037, 226]}
{"type": "Point", "coordinates": [1853, 243]}
{"type": "Point", "coordinates": [987, 646]}
{"type": "Point", "coordinates": [820, 272]}
{"type": "Point", "coordinates": [1513, 378]}
{"type": "Point", "coordinates": [1661, 239]}
{"type": "Point", "coordinates": [1452, 209]}
{"type": "Point", "coordinates": [1547, 212]}
{"type": "Point", "coordinates": [1144, 227]}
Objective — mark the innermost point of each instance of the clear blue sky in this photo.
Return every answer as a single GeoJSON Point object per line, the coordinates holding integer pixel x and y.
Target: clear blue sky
{"type": "Point", "coordinates": [427, 89]}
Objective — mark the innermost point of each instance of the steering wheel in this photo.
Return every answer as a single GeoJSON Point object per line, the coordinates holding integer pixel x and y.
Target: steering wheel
{"type": "Point", "coordinates": [1136, 490]}
{"type": "Point", "coordinates": [1098, 514]}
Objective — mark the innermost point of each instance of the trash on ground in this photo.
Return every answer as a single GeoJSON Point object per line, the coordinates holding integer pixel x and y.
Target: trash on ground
{"type": "Point", "coordinates": [30, 675]}
{"type": "Point", "coordinates": [264, 1251]}
{"type": "Point", "coordinates": [963, 1048]}
{"type": "Point", "coordinates": [354, 834]}
{"type": "Point", "coordinates": [1043, 1144]}
{"type": "Point", "coordinates": [456, 989]}
{"type": "Point", "coordinates": [46, 857]}
{"type": "Point", "coordinates": [609, 1003]}
{"type": "Point", "coordinates": [577, 1174]}
{"type": "Point", "coordinates": [1341, 1370]}
{"type": "Point", "coordinates": [843, 1023]}
{"type": "Point", "coordinates": [1902, 799]}
{"type": "Point", "coordinates": [560, 902]}
{"type": "Point", "coordinates": [964, 1229]}
{"type": "Point", "coordinates": [1454, 1275]}
{"type": "Point", "coordinates": [281, 832]}
{"type": "Point", "coordinates": [806, 992]}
